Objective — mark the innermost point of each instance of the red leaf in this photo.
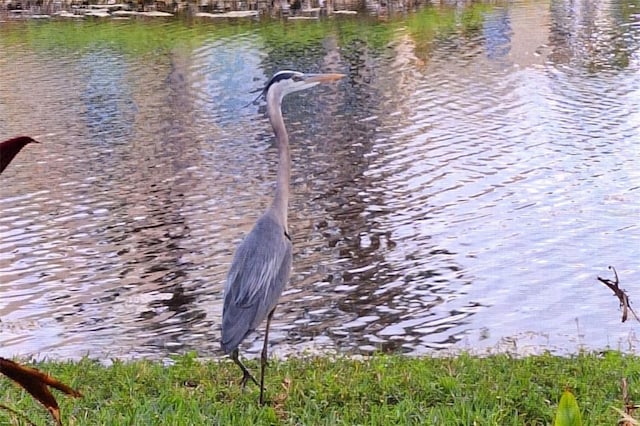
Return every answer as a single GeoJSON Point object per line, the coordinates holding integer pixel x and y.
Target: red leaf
{"type": "Point", "coordinates": [11, 147]}
{"type": "Point", "coordinates": [35, 382]}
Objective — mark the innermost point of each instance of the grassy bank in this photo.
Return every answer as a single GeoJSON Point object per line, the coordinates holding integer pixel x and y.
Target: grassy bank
{"type": "Point", "coordinates": [383, 390]}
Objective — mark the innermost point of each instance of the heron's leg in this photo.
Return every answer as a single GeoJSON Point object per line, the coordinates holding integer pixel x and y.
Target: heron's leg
{"type": "Point", "coordinates": [263, 358]}
{"type": "Point", "coordinates": [246, 375]}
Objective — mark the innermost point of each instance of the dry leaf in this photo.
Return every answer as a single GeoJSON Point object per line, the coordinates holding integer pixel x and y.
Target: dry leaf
{"type": "Point", "coordinates": [626, 419]}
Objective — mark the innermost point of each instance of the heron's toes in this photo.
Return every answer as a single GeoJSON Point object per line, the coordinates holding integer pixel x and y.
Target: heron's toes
{"type": "Point", "coordinates": [245, 379]}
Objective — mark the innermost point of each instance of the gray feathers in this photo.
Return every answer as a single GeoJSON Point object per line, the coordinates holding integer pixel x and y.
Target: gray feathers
{"type": "Point", "coordinates": [259, 272]}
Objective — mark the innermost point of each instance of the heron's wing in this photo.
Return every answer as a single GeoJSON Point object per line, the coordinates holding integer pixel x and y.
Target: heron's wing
{"type": "Point", "coordinates": [258, 274]}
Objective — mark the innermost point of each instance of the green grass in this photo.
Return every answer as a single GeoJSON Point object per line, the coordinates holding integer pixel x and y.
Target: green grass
{"type": "Point", "coordinates": [382, 390]}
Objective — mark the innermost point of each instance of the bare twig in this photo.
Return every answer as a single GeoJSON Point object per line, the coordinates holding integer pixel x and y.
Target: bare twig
{"type": "Point", "coordinates": [625, 391]}
{"type": "Point", "coordinates": [629, 406]}
{"type": "Point", "coordinates": [621, 294]}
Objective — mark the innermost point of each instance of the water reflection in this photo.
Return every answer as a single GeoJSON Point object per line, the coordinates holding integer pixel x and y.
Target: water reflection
{"type": "Point", "coordinates": [463, 187]}
{"type": "Point", "coordinates": [109, 109]}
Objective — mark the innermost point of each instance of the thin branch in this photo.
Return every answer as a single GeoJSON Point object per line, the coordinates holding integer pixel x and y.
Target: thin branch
{"type": "Point", "coordinates": [621, 294]}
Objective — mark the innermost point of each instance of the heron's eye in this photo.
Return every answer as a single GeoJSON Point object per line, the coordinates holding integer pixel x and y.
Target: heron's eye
{"type": "Point", "coordinates": [296, 78]}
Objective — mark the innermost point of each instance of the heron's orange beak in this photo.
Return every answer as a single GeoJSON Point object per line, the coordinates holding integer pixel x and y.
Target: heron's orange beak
{"type": "Point", "coordinates": [323, 78]}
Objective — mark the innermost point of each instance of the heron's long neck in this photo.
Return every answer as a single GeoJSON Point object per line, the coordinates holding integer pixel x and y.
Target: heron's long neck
{"type": "Point", "coordinates": [281, 199]}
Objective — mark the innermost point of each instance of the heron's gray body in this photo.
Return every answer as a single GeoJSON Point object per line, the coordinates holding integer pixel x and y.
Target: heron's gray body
{"type": "Point", "coordinates": [259, 273]}
{"type": "Point", "coordinates": [262, 264]}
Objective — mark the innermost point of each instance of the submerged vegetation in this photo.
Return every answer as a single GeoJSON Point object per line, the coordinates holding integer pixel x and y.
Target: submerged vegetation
{"type": "Point", "coordinates": [384, 389]}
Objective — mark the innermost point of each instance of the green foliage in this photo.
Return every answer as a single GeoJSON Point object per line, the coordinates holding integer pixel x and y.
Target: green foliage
{"type": "Point", "coordinates": [161, 36]}
{"type": "Point", "coordinates": [568, 413]}
{"type": "Point", "coordinates": [381, 390]}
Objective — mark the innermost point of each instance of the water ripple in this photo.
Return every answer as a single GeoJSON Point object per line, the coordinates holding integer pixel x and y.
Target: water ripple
{"type": "Point", "coordinates": [462, 188]}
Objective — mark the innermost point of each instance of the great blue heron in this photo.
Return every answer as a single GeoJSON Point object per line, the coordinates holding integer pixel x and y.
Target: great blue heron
{"type": "Point", "coordinates": [262, 262]}
{"type": "Point", "coordinates": [10, 148]}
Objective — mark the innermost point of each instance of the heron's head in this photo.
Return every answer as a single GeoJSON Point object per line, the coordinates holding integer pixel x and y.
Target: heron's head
{"type": "Point", "coordinates": [284, 82]}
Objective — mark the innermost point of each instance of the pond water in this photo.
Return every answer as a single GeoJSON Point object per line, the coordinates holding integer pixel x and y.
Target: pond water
{"type": "Point", "coordinates": [461, 189]}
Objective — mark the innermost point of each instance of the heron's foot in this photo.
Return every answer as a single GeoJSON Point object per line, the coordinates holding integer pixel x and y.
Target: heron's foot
{"type": "Point", "coordinates": [245, 378]}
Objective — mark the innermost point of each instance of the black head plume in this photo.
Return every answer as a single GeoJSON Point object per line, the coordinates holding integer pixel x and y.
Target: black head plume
{"type": "Point", "coordinates": [280, 75]}
{"type": "Point", "coordinates": [262, 91]}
